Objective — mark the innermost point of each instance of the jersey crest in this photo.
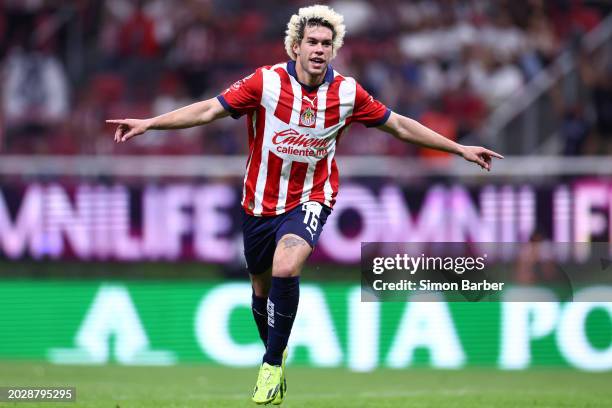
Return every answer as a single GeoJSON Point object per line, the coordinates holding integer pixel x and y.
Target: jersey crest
{"type": "Point", "coordinates": [308, 117]}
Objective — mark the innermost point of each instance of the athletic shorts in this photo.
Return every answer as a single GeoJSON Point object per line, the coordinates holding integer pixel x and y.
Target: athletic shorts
{"type": "Point", "coordinates": [261, 234]}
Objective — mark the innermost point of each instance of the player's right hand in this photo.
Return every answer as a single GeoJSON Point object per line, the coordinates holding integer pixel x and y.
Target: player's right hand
{"type": "Point", "coordinates": [128, 128]}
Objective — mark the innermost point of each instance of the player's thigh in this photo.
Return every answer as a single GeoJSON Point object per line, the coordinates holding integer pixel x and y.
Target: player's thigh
{"type": "Point", "coordinates": [290, 255]}
{"type": "Point", "coordinates": [259, 238]}
{"type": "Point", "coordinates": [297, 236]}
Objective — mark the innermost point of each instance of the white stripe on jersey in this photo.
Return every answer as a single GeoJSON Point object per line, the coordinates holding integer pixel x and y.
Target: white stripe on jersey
{"type": "Point", "coordinates": [284, 186]}
{"type": "Point", "coordinates": [347, 91]}
{"type": "Point", "coordinates": [308, 181]}
{"type": "Point", "coordinates": [321, 105]}
{"type": "Point", "coordinates": [261, 179]}
{"type": "Point", "coordinates": [271, 89]}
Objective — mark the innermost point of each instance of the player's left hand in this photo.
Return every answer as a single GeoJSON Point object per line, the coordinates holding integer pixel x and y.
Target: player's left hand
{"type": "Point", "coordinates": [128, 128]}
{"type": "Point", "coordinates": [480, 156]}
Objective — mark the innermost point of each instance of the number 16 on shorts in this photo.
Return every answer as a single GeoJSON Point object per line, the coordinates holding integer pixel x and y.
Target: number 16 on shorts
{"type": "Point", "coordinates": [311, 218]}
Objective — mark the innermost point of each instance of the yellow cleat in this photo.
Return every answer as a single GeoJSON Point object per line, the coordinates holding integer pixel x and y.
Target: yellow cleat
{"type": "Point", "coordinates": [268, 384]}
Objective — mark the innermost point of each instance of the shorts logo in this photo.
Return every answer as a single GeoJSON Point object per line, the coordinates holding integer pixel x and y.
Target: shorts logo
{"type": "Point", "coordinates": [308, 117]}
{"type": "Point", "coordinates": [311, 218]}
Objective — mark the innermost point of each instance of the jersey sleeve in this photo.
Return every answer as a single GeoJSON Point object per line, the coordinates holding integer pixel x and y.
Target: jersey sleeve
{"type": "Point", "coordinates": [368, 110]}
{"type": "Point", "coordinates": [243, 96]}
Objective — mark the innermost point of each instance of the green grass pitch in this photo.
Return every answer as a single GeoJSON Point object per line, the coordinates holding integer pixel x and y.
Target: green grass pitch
{"type": "Point", "coordinates": [205, 386]}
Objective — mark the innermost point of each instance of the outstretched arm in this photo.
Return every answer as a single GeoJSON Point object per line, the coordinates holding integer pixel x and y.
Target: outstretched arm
{"type": "Point", "coordinates": [199, 113]}
{"type": "Point", "coordinates": [409, 130]}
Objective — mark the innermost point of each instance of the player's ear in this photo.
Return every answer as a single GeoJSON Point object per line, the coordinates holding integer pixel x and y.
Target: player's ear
{"type": "Point", "coordinates": [296, 48]}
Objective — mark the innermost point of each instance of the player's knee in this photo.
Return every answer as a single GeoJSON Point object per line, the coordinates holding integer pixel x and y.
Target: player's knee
{"type": "Point", "coordinates": [285, 270]}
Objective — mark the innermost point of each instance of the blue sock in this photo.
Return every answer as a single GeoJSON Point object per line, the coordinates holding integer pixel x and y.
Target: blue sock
{"type": "Point", "coordinates": [260, 314]}
{"type": "Point", "coordinates": [282, 307]}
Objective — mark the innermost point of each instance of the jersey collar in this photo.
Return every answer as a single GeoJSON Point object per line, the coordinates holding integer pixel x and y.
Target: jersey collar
{"type": "Point", "coordinates": [329, 76]}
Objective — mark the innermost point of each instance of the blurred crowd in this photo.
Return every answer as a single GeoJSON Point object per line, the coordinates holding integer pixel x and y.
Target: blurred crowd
{"type": "Point", "coordinates": [68, 66]}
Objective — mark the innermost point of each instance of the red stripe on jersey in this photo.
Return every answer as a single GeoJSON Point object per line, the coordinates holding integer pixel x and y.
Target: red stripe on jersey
{"type": "Point", "coordinates": [318, 181]}
{"type": "Point", "coordinates": [284, 107]}
{"type": "Point", "coordinates": [254, 160]}
{"type": "Point", "coordinates": [332, 110]}
{"type": "Point", "coordinates": [333, 180]}
{"type": "Point", "coordinates": [270, 195]}
{"type": "Point", "coordinates": [296, 183]}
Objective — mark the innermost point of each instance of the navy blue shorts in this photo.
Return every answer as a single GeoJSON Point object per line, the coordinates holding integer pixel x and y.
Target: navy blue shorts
{"type": "Point", "coordinates": [261, 234]}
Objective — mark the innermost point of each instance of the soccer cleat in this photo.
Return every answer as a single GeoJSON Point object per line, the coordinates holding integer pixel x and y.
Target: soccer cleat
{"type": "Point", "coordinates": [283, 388]}
{"type": "Point", "coordinates": [268, 384]}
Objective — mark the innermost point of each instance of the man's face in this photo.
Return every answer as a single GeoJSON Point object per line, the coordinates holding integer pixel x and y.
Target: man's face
{"type": "Point", "coordinates": [315, 50]}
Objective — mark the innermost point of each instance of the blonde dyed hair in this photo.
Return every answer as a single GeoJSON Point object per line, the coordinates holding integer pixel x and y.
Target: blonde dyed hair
{"type": "Point", "coordinates": [313, 16]}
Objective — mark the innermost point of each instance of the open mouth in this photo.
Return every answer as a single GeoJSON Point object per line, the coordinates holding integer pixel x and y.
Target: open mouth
{"type": "Point", "coordinates": [317, 61]}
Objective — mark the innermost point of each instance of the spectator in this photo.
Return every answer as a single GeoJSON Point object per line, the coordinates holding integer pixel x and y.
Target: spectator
{"type": "Point", "coordinates": [574, 130]}
{"type": "Point", "coordinates": [192, 56]}
{"type": "Point", "coordinates": [465, 107]}
{"type": "Point", "coordinates": [138, 50]}
{"type": "Point", "coordinates": [137, 36]}
{"type": "Point", "coordinates": [35, 91]}
{"type": "Point", "coordinates": [492, 79]}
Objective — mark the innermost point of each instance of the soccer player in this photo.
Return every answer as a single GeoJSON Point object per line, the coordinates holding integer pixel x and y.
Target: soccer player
{"type": "Point", "coordinates": [296, 112]}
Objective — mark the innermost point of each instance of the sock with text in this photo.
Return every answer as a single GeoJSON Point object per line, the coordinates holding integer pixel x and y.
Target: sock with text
{"type": "Point", "coordinates": [282, 308]}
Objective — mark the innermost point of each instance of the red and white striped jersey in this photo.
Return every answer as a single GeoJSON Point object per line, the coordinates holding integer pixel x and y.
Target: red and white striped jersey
{"type": "Point", "coordinates": [293, 132]}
